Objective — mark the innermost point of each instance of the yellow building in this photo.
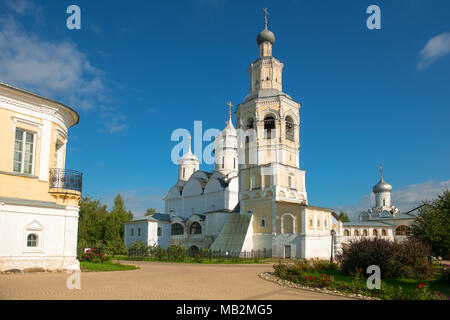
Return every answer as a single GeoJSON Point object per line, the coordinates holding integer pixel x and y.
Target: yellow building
{"type": "Point", "coordinates": [38, 196]}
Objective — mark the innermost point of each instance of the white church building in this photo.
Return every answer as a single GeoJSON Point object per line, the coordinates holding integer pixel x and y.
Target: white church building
{"type": "Point", "coordinates": [383, 220]}
{"type": "Point", "coordinates": [255, 198]}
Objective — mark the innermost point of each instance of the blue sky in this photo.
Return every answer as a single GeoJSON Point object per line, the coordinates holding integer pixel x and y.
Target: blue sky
{"type": "Point", "coordinates": [138, 70]}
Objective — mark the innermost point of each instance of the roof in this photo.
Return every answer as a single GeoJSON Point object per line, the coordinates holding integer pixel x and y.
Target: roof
{"type": "Point", "coordinates": [77, 116]}
{"type": "Point", "coordinates": [366, 224]}
{"type": "Point", "coordinates": [154, 217]}
{"type": "Point", "coordinates": [31, 203]}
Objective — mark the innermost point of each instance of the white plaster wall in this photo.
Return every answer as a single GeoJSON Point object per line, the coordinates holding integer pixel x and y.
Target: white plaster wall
{"type": "Point", "coordinates": [57, 230]}
{"type": "Point", "coordinates": [129, 239]}
{"type": "Point", "coordinates": [316, 247]}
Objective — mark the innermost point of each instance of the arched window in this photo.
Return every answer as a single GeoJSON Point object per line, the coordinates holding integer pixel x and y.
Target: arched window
{"type": "Point", "coordinates": [250, 124]}
{"type": "Point", "coordinates": [383, 233]}
{"type": "Point", "coordinates": [32, 240]}
{"type": "Point", "coordinates": [346, 233]}
{"type": "Point", "coordinates": [177, 229]}
{"type": "Point", "coordinates": [402, 231]}
{"type": "Point", "coordinates": [356, 233]}
{"type": "Point", "coordinates": [269, 127]}
{"type": "Point", "coordinates": [287, 224]}
{"type": "Point", "coordinates": [290, 129]}
{"type": "Point", "coordinates": [196, 228]}
{"type": "Point", "coordinates": [375, 233]}
{"type": "Point", "coordinates": [365, 233]}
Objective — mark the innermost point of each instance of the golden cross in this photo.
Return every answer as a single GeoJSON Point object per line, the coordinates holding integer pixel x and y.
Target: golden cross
{"type": "Point", "coordinates": [266, 13]}
{"type": "Point", "coordinates": [230, 105]}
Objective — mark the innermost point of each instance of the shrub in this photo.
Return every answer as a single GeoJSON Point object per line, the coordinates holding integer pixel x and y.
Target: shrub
{"type": "Point", "coordinates": [410, 260]}
{"type": "Point", "coordinates": [406, 259]}
{"type": "Point", "coordinates": [177, 253]}
{"type": "Point", "coordinates": [94, 256]}
{"type": "Point", "coordinates": [359, 255]}
{"type": "Point", "coordinates": [445, 274]}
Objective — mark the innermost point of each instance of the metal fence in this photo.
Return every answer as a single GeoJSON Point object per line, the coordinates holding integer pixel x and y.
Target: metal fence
{"type": "Point", "coordinates": [205, 254]}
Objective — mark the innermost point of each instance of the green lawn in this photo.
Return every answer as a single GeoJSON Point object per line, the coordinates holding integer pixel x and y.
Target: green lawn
{"type": "Point", "coordinates": [408, 286]}
{"type": "Point", "coordinates": [105, 266]}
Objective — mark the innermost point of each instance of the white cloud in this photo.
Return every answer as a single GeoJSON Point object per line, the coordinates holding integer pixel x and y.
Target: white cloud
{"type": "Point", "coordinates": [23, 7]}
{"type": "Point", "coordinates": [113, 121]}
{"type": "Point", "coordinates": [436, 48]}
{"type": "Point", "coordinates": [54, 69]}
{"type": "Point", "coordinates": [405, 199]}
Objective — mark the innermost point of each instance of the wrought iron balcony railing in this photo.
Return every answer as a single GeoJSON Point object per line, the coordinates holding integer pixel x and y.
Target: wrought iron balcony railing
{"type": "Point", "coordinates": [66, 179]}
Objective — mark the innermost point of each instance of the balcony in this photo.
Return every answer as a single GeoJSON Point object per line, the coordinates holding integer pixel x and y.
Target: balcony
{"type": "Point", "coordinates": [65, 181]}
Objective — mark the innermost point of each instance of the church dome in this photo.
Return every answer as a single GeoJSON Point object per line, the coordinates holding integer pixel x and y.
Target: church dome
{"type": "Point", "coordinates": [382, 187]}
{"type": "Point", "coordinates": [265, 35]}
{"type": "Point", "coordinates": [188, 156]}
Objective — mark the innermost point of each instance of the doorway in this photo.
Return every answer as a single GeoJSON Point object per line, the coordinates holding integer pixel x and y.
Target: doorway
{"type": "Point", "coordinates": [287, 252]}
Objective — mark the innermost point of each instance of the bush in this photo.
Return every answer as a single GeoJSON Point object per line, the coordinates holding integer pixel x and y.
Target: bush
{"type": "Point", "coordinates": [177, 253]}
{"type": "Point", "coordinates": [396, 260]}
{"type": "Point", "coordinates": [94, 256]}
{"type": "Point", "coordinates": [445, 274]}
{"type": "Point", "coordinates": [359, 255]}
{"type": "Point", "coordinates": [410, 260]}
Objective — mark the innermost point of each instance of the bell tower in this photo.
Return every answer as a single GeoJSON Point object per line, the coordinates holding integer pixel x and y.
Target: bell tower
{"type": "Point", "coordinates": [270, 121]}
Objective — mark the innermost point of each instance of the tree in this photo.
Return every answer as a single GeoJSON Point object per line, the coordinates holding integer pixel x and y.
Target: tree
{"type": "Point", "coordinates": [91, 222]}
{"type": "Point", "coordinates": [114, 230]}
{"type": "Point", "coordinates": [150, 212]}
{"type": "Point", "coordinates": [432, 225]}
{"type": "Point", "coordinates": [343, 217]}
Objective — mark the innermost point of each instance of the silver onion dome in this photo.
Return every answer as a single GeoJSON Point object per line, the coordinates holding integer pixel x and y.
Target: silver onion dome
{"type": "Point", "coordinates": [265, 35]}
{"type": "Point", "coordinates": [382, 186]}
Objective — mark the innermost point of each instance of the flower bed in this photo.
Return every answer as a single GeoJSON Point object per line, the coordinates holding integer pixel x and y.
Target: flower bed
{"type": "Point", "coordinates": [324, 275]}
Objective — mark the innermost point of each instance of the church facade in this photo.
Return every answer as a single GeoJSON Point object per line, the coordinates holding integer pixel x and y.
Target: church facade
{"type": "Point", "coordinates": [383, 220]}
{"type": "Point", "coordinates": [255, 198]}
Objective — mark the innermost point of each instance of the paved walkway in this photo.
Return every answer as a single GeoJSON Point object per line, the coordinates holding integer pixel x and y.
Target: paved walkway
{"type": "Point", "coordinates": [157, 281]}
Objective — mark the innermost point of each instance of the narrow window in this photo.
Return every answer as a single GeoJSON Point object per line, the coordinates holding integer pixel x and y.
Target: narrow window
{"type": "Point", "coordinates": [32, 240]}
{"type": "Point", "coordinates": [139, 232]}
{"type": "Point", "coordinates": [132, 232]}
{"type": "Point", "coordinates": [234, 163]}
{"type": "Point", "coordinates": [223, 162]}
{"type": "Point", "coordinates": [23, 152]}
{"type": "Point", "coordinates": [269, 126]}
{"type": "Point", "coordinates": [263, 223]}
{"type": "Point", "coordinates": [184, 172]}
{"type": "Point", "coordinates": [290, 129]}
{"type": "Point", "coordinates": [159, 232]}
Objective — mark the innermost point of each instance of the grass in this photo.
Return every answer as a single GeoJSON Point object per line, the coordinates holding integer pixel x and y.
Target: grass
{"type": "Point", "coordinates": [408, 285]}
{"type": "Point", "coordinates": [105, 266]}
{"type": "Point", "coordinates": [201, 261]}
